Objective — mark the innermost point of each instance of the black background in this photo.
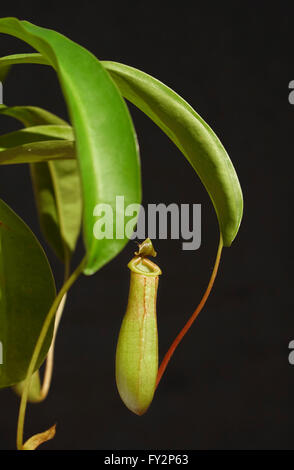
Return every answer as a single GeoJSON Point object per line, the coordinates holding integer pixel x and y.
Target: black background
{"type": "Point", "coordinates": [229, 385]}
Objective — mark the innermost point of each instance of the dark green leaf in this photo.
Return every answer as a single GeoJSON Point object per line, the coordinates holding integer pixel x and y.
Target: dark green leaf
{"type": "Point", "coordinates": [27, 291]}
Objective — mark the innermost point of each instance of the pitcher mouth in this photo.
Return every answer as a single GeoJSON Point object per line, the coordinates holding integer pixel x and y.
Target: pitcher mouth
{"type": "Point", "coordinates": [142, 265]}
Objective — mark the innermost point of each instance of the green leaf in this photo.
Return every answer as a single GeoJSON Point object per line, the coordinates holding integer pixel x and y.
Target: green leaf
{"type": "Point", "coordinates": [35, 134]}
{"type": "Point", "coordinates": [58, 195]}
{"type": "Point", "coordinates": [28, 58]}
{"type": "Point", "coordinates": [56, 183]}
{"type": "Point", "coordinates": [38, 152]}
{"type": "Point", "coordinates": [105, 139]}
{"type": "Point", "coordinates": [37, 144]}
{"type": "Point", "coordinates": [27, 291]}
{"type": "Point", "coordinates": [31, 115]}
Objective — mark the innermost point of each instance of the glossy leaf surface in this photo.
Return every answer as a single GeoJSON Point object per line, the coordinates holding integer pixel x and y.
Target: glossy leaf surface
{"type": "Point", "coordinates": [193, 137]}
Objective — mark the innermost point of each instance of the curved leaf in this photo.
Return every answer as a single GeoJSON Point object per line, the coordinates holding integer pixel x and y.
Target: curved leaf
{"type": "Point", "coordinates": [193, 137]}
{"type": "Point", "coordinates": [27, 291]}
{"type": "Point", "coordinates": [35, 134]}
{"type": "Point", "coordinates": [14, 59]}
{"type": "Point", "coordinates": [38, 152]}
{"type": "Point", "coordinates": [105, 139]}
{"type": "Point", "coordinates": [37, 144]}
{"type": "Point", "coordinates": [31, 115]}
{"type": "Point", "coordinates": [58, 197]}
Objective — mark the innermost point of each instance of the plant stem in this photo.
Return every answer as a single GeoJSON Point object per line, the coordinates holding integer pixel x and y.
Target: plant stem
{"type": "Point", "coordinates": [37, 349]}
{"type": "Point", "coordinates": [193, 317]}
{"type": "Point", "coordinates": [50, 356]}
